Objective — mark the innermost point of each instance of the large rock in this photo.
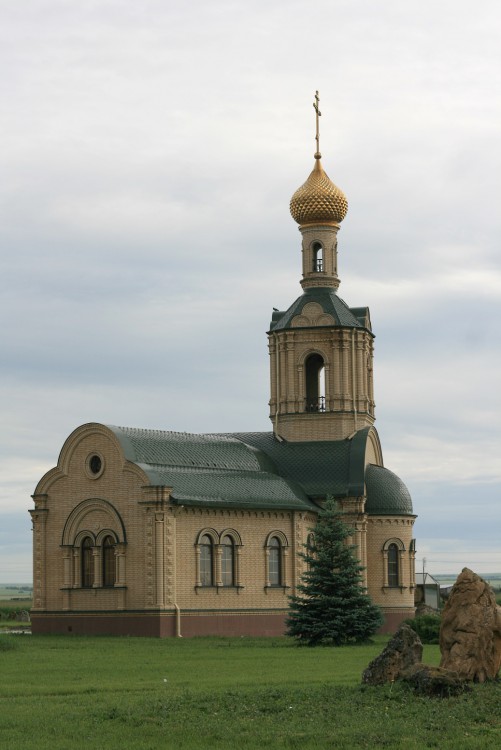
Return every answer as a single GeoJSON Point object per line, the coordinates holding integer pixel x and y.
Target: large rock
{"type": "Point", "coordinates": [434, 681]}
{"type": "Point", "coordinates": [401, 652]}
{"type": "Point", "coordinates": [470, 634]}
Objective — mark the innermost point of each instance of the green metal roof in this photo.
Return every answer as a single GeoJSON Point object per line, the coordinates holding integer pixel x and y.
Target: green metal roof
{"type": "Point", "coordinates": [324, 467]}
{"type": "Point", "coordinates": [386, 493]}
{"type": "Point", "coordinates": [189, 450]}
{"type": "Point", "coordinates": [217, 470]}
{"type": "Point", "coordinates": [331, 304]}
{"type": "Point", "coordinates": [254, 469]}
{"type": "Point", "coordinates": [231, 488]}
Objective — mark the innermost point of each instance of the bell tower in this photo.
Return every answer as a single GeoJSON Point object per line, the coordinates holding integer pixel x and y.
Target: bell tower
{"type": "Point", "coordinates": [321, 350]}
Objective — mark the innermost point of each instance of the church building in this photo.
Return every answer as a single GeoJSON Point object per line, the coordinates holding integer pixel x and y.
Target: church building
{"type": "Point", "coordinates": [158, 533]}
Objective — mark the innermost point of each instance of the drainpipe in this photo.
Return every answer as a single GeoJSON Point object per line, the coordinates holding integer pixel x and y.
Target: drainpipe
{"type": "Point", "coordinates": [353, 378]}
{"type": "Point", "coordinates": [178, 621]}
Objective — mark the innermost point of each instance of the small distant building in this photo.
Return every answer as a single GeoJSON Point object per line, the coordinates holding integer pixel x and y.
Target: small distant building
{"type": "Point", "coordinates": [427, 591]}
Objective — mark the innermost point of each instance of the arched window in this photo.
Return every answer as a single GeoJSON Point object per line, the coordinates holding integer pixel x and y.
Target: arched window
{"type": "Point", "coordinates": [310, 549]}
{"type": "Point", "coordinates": [318, 257]}
{"type": "Point", "coordinates": [206, 561]}
{"type": "Point", "coordinates": [393, 572]}
{"type": "Point", "coordinates": [227, 561]}
{"type": "Point", "coordinates": [315, 383]}
{"type": "Point", "coordinates": [275, 562]}
{"type": "Point", "coordinates": [87, 560]}
{"type": "Point", "coordinates": [108, 561]}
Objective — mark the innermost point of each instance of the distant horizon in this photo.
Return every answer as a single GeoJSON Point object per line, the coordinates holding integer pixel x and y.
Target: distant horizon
{"type": "Point", "coordinates": [486, 576]}
{"type": "Point", "coordinates": [16, 585]}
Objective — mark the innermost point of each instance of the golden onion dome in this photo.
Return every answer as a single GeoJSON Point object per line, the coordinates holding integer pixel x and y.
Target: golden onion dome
{"type": "Point", "coordinates": [318, 200]}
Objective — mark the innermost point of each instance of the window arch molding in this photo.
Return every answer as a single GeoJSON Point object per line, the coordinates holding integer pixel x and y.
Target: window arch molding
{"type": "Point", "coordinates": [76, 529]}
{"type": "Point", "coordinates": [276, 550]}
{"type": "Point", "coordinates": [104, 533]}
{"type": "Point", "coordinates": [77, 542]}
{"type": "Point", "coordinates": [313, 350]}
{"type": "Point", "coordinates": [280, 536]}
{"type": "Point", "coordinates": [208, 532]}
{"type": "Point", "coordinates": [393, 555]}
{"type": "Point", "coordinates": [394, 540]}
{"type": "Point", "coordinates": [234, 535]}
{"type": "Point", "coordinates": [76, 520]}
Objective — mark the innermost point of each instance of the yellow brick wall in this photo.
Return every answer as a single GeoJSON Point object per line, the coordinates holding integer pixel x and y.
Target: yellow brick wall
{"type": "Point", "coordinates": [160, 546]}
{"type": "Point", "coordinates": [380, 530]}
{"type": "Point", "coordinates": [349, 397]}
{"type": "Point", "coordinates": [160, 560]}
{"type": "Point", "coordinates": [65, 488]}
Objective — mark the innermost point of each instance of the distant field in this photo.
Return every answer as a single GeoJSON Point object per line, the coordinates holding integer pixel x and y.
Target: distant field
{"type": "Point", "coordinates": [15, 591]}
{"type": "Point", "coordinates": [58, 692]}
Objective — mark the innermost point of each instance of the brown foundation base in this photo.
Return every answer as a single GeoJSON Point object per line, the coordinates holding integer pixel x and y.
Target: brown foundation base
{"type": "Point", "coordinates": [170, 624]}
{"type": "Point", "coordinates": [160, 624]}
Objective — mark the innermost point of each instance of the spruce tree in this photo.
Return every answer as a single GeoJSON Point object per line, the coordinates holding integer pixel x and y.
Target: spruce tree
{"type": "Point", "coordinates": [332, 606]}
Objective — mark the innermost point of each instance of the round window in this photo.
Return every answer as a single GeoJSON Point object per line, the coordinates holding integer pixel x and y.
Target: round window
{"type": "Point", "coordinates": [94, 465]}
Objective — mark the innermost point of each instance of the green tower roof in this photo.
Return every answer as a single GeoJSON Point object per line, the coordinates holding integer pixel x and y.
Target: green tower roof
{"type": "Point", "coordinates": [331, 304]}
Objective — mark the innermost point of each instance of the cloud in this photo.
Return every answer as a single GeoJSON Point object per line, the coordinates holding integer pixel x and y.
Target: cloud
{"type": "Point", "coordinates": [149, 154]}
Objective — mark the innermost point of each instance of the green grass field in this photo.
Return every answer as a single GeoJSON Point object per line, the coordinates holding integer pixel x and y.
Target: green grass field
{"type": "Point", "coordinates": [7, 607]}
{"type": "Point", "coordinates": [60, 692]}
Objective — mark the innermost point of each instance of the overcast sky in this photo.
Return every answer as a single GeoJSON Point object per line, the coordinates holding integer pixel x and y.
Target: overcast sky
{"type": "Point", "coordinates": [148, 154]}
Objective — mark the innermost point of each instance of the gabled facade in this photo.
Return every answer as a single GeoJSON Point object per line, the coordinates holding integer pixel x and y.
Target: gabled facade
{"type": "Point", "coordinates": [160, 533]}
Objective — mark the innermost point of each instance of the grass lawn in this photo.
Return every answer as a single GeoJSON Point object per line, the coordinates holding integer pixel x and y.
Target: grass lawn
{"type": "Point", "coordinates": [63, 692]}
{"type": "Point", "coordinates": [6, 607]}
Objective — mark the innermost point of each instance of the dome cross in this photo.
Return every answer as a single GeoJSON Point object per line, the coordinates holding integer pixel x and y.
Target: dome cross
{"type": "Point", "coordinates": [318, 114]}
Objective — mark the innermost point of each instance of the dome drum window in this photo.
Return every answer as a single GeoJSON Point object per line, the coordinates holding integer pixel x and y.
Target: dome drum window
{"type": "Point", "coordinates": [318, 257]}
{"type": "Point", "coordinates": [393, 567]}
